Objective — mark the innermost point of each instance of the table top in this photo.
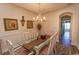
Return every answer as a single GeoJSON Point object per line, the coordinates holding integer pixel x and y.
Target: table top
{"type": "Point", "coordinates": [30, 45]}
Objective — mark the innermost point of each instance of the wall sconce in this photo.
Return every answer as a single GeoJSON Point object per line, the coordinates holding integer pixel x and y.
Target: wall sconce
{"type": "Point", "coordinates": [22, 21]}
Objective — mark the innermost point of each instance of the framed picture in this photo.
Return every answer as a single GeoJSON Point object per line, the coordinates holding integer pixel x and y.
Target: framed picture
{"type": "Point", "coordinates": [10, 24]}
{"type": "Point", "coordinates": [29, 24]}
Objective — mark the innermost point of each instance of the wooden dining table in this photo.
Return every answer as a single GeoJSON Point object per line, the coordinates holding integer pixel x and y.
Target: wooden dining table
{"type": "Point", "coordinates": [30, 45]}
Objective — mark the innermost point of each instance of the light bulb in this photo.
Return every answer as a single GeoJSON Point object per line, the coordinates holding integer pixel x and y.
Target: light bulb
{"type": "Point", "coordinates": [44, 18]}
{"type": "Point", "coordinates": [37, 17]}
{"type": "Point", "coordinates": [41, 20]}
{"type": "Point", "coordinates": [33, 18]}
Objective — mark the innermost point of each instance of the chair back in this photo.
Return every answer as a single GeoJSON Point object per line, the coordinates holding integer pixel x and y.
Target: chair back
{"type": "Point", "coordinates": [0, 47]}
{"type": "Point", "coordinates": [10, 47]}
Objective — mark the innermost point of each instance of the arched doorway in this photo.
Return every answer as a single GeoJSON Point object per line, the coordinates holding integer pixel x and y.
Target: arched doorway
{"type": "Point", "coordinates": [65, 28]}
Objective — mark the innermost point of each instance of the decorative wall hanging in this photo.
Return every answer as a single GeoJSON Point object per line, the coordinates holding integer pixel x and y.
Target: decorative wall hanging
{"type": "Point", "coordinates": [22, 21]}
{"type": "Point", "coordinates": [10, 24]}
{"type": "Point", "coordinates": [29, 24]}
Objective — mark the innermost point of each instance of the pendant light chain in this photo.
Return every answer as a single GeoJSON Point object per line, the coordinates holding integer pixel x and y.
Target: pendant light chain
{"type": "Point", "coordinates": [39, 17]}
{"type": "Point", "coordinates": [39, 7]}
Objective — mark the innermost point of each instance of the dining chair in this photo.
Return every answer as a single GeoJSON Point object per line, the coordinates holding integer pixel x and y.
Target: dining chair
{"type": "Point", "coordinates": [13, 51]}
{"type": "Point", "coordinates": [0, 46]}
{"type": "Point", "coordinates": [11, 48]}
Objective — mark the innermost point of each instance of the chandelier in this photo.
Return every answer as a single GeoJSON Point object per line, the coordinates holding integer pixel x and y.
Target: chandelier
{"type": "Point", "coordinates": [39, 17]}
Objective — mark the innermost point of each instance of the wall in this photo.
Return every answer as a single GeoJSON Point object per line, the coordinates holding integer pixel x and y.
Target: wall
{"type": "Point", "coordinates": [12, 11]}
{"type": "Point", "coordinates": [52, 23]}
{"type": "Point", "coordinates": [48, 27]}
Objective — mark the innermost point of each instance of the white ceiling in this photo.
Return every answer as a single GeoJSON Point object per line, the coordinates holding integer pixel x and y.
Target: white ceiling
{"type": "Point", "coordinates": [44, 7]}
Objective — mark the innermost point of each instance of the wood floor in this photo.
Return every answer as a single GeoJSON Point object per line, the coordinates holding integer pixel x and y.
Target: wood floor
{"type": "Point", "coordinates": [60, 49]}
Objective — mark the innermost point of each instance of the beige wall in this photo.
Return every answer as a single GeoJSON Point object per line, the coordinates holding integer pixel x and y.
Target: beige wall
{"type": "Point", "coordinates": [52, 24]}
{"type": "Point", "coordinates": [11, 11]}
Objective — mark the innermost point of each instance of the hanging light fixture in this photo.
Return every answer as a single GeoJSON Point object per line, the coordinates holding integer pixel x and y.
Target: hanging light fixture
{"type": "Point", "coordinates": [39, 17]}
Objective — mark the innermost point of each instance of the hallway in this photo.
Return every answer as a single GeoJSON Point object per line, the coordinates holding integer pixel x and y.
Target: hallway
{"type": "Point", "coordinates": [66, 38]}
{"type": "Point", "coordinates": [66, 35]}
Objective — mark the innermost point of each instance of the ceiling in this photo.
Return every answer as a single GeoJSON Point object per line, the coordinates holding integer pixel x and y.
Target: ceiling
{"type": "Point", "coordinates": [44, 7]}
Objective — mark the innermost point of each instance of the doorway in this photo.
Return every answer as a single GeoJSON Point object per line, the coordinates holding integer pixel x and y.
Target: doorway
{"type": "Point", "coordinates": [65, 36]}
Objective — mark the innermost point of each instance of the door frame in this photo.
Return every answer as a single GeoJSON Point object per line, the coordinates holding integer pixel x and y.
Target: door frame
{"type": "Point", "coordinates": [66, 14]}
